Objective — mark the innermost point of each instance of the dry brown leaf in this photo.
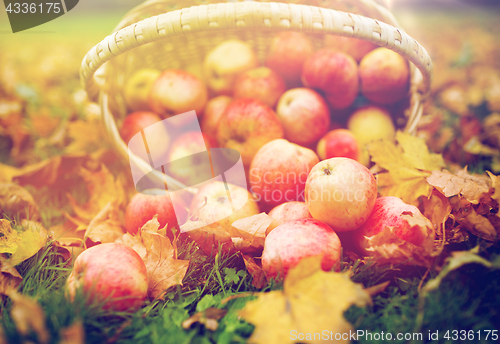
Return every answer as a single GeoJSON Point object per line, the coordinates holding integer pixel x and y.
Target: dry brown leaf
{"type": "Point", "coordinates": [17, 201]}
{"type": "Point", "coordinates": [208, 237]}
{"type": "Point", "coordinates": [208, 318]}
{"type": "Point", "coordinates": [10, 279]}
{"type": "Point", "coordinates": [102, 188]}
{"type": "Point", "coordinates": [480, 226]}
{"type": "Point", "coordinates": [28, 316]}
{"type": "Point", "coordinates": [87, 136]}
{"type": "Point", "coordinates": [407, 166]}
{"type": "Point", "coordinates": [471, 187]}
{"type": "Point", "coordinates": [43, 173]}
{"type": "Point", "coordinates": [66, 234]}
{"type": "Point", "coordinates": [312, 300]}
{"type": "Point", "coordinates": [254, 268]}
{"type": "Point", "coordinates": [417, 245]}
{"type": "Point", "coordinates": [155, 249]}
{"type": "Point", "coordinates": [377, 289]}
{"type": "Point", "coordinates": [73, 334]}
{"type": "Point", "coordinates": [252, 230]}
{"type": "Point", "coordinates": [105, 227]}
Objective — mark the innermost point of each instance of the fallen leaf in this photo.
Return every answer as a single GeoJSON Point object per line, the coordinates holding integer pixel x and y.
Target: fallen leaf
{"type": "Point", "coordinates": [32, 239]}
{"type": "Point", "coordinates": [16, 200]}
{"type": "Point", "coordinates": [495, 183]}
{"type": "Point", "coordinates": [414, 242]}
{"type": "Point", "coordinates": [40, 174]}
{"type": "Point", "coordinates": [471, 187]}
{"type": "Point", "coordinates": [480, 226]}
{"type": "Point", "coordinates": [207, 318]}
{"type": "Point", "coordinates": [66, 234]}
{"type": "Point", "coordinates": [28, 317]}
{"type": "Point", "coordinates": [86, 136]}
{"type": "Point", "coordinates": [102, 188]}
{"type": "Point", "coordinates": [73, 334]}
{"type": "Point", "coordinates": [254, 268]}
{"type": "Point", "coordinates": [312, 300]}
{"type": "Point", "coordinates": [153, 246]}
{"type": "Point", "coordinates": [208, 237]}
{"type": "Point", "coordinates": [252, 230]}
{"type": "Point", "coordinates": [406, 165]}
{"type": "Point", "coordinates": [105, 227]}
{"type": "Point", "coordinates": [9, 238]}
{"type": "Point", "coordinates": [10, 279]}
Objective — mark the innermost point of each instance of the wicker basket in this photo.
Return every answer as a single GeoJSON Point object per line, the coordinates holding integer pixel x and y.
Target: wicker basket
{"type": "Point", "coordinates": [160, 34]}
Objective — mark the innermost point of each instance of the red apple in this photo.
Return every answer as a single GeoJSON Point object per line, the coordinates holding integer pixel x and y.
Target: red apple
{"type": "Point", "coordinates": [340, 192]}
{"type": "Point", "coordinates": [111, 273]}
{"type": "Point", "coordinates": [384, 76]}
{"type": "Point", "coordinates": [339, 143]}
{"type": "Point", "coordinates": [304, 114]}
{"type": "Point", "coordinates": [138, 87]}
{"type": "Point", "coordinates": [292, 241]}
{"type": "Point", "coordinates": [386, 230]}
{"type": "Point", "coordinates": [137, 121]}
{"type": "Point", "coordinates": [212, 204]}
{"type": "Point", "coordinates": [290, 211]}
{"type": "Point", "coordinates": [213, 113]}
{"type": "Point", "coordinates": [260, 83]}
{"type": "Point", "coordinates": [246, 126]}
{"type": "Point", "coordinates": [176, 92]}
{"type": "Point", "coordinates": [287, 52]}
{"type": "Point", "coordinates": [190, 163]}
{"type": "Point", "coordinates": [143, 206]}
{"type": "Point", "coordinates": [357, 48]}
{"type": "Point", "coordinates": [224, 63]}
{"type": "Point", "coordinates": [335, 74]}
{"type": "Point", "coordinates": [279, 171]}
{"type": "Point", "coordinates": [155, 133]}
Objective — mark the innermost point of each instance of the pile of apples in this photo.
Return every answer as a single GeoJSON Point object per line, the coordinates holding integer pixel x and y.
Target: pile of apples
{"type": "Point", "coordinates": [285, 119]}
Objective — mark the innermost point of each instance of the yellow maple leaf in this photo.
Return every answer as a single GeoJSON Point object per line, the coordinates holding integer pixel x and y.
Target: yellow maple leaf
{"type": "Point", "coordinates": [312, 304]}
{"type": "Point", "coordinates": [9, 239]}
{"type": "Point", "coordinates": [32, 239]}
{"type": "Point", "coordinates": [159, 256]}
{"type": "Point", "coordinates": [406, 167]}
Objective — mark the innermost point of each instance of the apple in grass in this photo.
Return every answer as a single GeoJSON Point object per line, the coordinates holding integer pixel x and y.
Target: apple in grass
{"type": "Point", "coordinates": [213, 113]}
{"type": "Point", "coordinates": [177, 91]}
{"type": "Point", "coordinates": [212, 204]}
{"type": "Point", "coordinates": [260, 83]}
{"type": "Point", "coordinates": [287, 52]}
{"type": "Point", "coordinates": [339, 143]}
{"type": "Point", "coordinates": [143, 206]}
{"type": "Point", "coordinates": [333, 73]}
{"type": "Point", "coordinates": [357, 48]}
{"type": "Point", "coordinates": [394, 231]}
{"type": "Point", "coordinates": [138, 87]}
{"type": "Point", "coordinates": [340, 192]}
{"type": "Point", "coordinates": [384, 76]}
{"type": "Point", "coordinates": [304, 114]}
{"type": "Point", "coordinates": [111, 273]}
{"type": "Point", "coordinates": [279, 171]}
{"type": "Point", "coordinates": [292, 241]}
{"type": "Point", "coordinates": [223, 64]}
{"type": "Point", "coordinates": [246, 126]}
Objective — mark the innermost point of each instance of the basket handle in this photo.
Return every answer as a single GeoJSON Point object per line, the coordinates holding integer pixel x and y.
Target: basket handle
{"type": "Point", "coordinates": [258, 15]}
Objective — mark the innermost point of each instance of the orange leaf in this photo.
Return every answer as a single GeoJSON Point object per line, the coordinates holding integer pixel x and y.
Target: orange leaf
{"type": "Point", "coordinates": [208, 237]}
{"type": "Point", "coordinates": [252, 230]}
{"type": "Point", "coordinates": [105, 227]}
{"type": "Point", "coordinates": [153, 246]}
